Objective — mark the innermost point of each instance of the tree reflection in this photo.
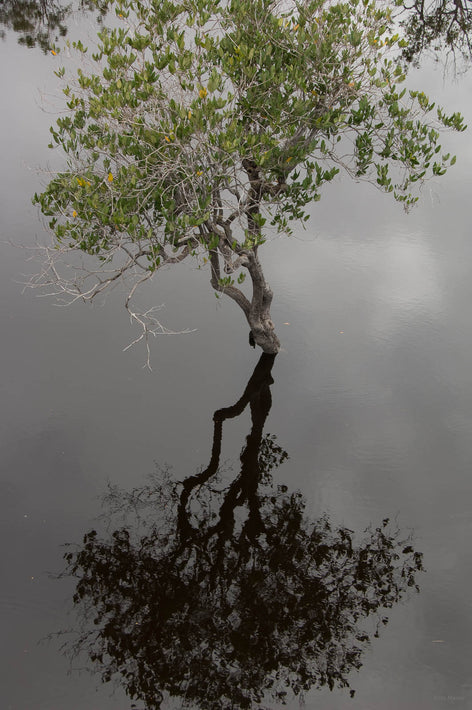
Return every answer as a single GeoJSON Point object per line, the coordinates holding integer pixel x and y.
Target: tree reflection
{"type": "Point", "coordinates": [223, 592]}
{"type": "Point", "coordinates": [439, 25]}
{"type": "Point", "coordinates": [42, 22]}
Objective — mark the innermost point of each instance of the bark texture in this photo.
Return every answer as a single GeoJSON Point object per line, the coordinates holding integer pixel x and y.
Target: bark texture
{"type": "Point", "coordinates": [259, 319]}
{"type": "Point", "coordinates": [256, 310]}
{"type": "Point", "coordinates": [235, 255]}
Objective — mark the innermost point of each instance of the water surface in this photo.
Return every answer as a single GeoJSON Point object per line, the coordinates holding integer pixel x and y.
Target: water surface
{"type": "Point", "coordinates": [371, 399]}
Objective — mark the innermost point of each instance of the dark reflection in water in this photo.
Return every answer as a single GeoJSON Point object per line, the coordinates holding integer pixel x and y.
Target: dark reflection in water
{"type": "Point", "coordinates": [220, 590]}
{"type": "Point", "coordinates": [41, 22]}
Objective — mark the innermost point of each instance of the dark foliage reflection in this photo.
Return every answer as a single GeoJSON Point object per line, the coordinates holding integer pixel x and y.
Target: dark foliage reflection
{"type": "Point", "coordinates": [42, 22]}
{"type": "Point", "coordinates": [221, 591]}
{"type": "Point", "coordinates": [439, 25]}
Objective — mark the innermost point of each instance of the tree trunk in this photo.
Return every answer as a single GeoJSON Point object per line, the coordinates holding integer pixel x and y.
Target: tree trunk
{"type": "Point", "coordinates": [258, 316]}
{"type": "Point", "coordinates": [267, 340]}
{"type": "Point", "coordinates": [263, 332]}
{"type": "Point", "coordinates": [257, 310]}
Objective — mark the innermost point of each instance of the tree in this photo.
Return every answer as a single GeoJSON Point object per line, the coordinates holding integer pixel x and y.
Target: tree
{"type": "Point", "coordinates": [223, 592]}
{"type": "Point", "coordinates": [202, 127]}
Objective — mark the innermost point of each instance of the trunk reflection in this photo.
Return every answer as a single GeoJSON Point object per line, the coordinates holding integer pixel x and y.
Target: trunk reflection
{"type": "Point", "coordinates": [223, 592]}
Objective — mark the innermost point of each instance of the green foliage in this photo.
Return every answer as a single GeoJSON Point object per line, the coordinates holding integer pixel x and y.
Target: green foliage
{"type": "Point", "coordinates": [198, 125]}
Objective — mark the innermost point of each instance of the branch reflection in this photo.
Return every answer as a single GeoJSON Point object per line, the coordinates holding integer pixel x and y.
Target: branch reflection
{"type": "Point", "coordinates": [223, 592]}
{"type": "Point", "coordinates": [42, 22]}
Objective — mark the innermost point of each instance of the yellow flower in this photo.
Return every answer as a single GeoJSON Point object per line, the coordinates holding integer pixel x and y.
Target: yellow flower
{"type": "Point", "coordinates": [53, 52]}
{"type": "Point", "coordinates": [189, 114]}
{"type": "Point", "coordinates": [296, 27]}
{"type": "Point", "coordinates": [166, 138]}
{"type": "Point", "coordinates": [110, 177]}
{"type": "Point", "coordinates": [199, 172]}
{"type": "Point", "coordinates": [202, 93]}
{"type": "Point", "coordinates": [289, 158]}
{"type": "Point", "coordinates": [74, 214]}
{"type": "Point", "coordinates": [351, 84]}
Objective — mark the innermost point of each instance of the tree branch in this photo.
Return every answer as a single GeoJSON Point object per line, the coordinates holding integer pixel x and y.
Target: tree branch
{"type": "Point", "coordinates": [231, 291]}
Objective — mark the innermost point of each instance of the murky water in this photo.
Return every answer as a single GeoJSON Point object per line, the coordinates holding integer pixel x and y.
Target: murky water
{"type": "Point", "coordinates": [371, 400]}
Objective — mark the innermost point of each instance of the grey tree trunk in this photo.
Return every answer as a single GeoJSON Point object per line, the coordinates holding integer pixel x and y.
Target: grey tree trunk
{"type": "Point", "coordinates": [256, 310]}
{"type": "Point", "coordinates": [258, 316]}
{"type": "Point", "coordinates": [264, 335]}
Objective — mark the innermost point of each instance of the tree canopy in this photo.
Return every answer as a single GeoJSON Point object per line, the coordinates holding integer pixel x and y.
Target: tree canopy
{"type": "Point", "coordinates": [199, 128]}
{"type": "Point", "coordinates": [220, 590]}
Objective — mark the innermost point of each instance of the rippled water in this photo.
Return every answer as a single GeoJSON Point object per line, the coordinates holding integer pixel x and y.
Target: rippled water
{"type": "Point", "coordinates": [371, 400]}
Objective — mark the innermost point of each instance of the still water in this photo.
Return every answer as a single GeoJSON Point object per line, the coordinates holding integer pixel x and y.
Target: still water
{"type": "Point", "coordinates": [365, 415]}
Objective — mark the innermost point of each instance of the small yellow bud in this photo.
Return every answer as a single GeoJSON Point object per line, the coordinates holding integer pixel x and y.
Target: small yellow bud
{"type": "Point", "coordinates": [74, 214]}
{"type": "Point", "coordinates": [296, 27]}
{"type": "Point", "coordinates": [289, 158]}
{"type": "Point", "coordinates": [110, 177]}
{"type": "Point", "coordinates": [53, 52]}
{"type": "Point", "coordinates": [166, 138]}
{"type": "Point", "coordinates": [199, 172]}
{"type": "Point", "coordinates": [189, 115]}
{"type": "Point", "coordinates": [202, 93]}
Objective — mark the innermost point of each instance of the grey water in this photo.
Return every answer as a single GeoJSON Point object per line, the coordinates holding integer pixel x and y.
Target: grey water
{"type": "Point", "coordinates": [371, 399]}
